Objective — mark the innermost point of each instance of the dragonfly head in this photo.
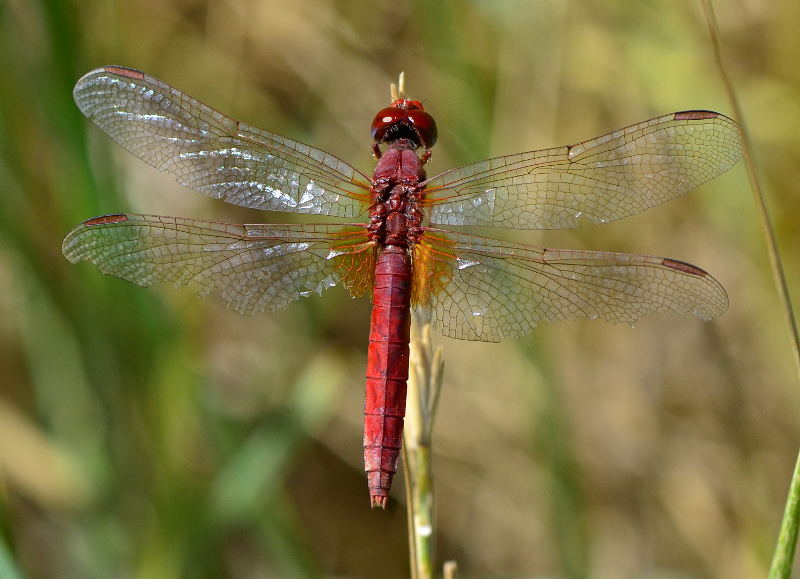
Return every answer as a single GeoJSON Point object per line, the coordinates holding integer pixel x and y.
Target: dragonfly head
{"type": "Point", "coordinates": [405, 119]}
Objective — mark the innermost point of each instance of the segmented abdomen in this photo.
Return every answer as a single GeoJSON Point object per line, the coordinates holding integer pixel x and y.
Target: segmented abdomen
{"type": "Point", "coordinates": [387, 370]}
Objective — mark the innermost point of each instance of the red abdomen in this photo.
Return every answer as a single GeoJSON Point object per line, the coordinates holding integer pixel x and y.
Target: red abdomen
{"type": "Point", "coordinates": [387, 370]}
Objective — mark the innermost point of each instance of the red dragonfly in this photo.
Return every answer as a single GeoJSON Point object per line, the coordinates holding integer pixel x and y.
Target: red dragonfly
{"type": "Point", "coordinates": [474, 288]}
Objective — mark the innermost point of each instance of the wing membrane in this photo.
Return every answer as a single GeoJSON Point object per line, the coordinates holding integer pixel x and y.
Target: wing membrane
{"type": "Point", "coordinates": [484, 289]}
{"type": "Point", "coordinates": [600, 180]}
{"type": "Point", "coordinates": [214, 154]}
{"type": "Point", "coordinates": [257, 267]}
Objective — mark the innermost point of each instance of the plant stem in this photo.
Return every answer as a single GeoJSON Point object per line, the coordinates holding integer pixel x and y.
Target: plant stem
{"type": "Point", "coordinates": [424, 384]}
{"type": "Point", "coordinates": [787, 540]}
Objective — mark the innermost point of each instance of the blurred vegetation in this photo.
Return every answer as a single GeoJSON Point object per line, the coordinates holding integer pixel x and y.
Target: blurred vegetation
{"type": "Point", "coordinates": [146, 433]}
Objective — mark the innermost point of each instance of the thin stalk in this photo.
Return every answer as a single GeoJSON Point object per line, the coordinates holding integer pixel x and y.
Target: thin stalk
{"type": "Point", "coordinates": [398, 91]}
{"type": "Point", "coordinates": [450, 570]}
{"type": "Point", "coordinates": [424, 384]}
{"type": "Point", "coordinates": [787, 540]}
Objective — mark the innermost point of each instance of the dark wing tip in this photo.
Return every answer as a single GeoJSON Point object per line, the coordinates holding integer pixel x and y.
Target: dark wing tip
{"type": "Point", "coordinates": [123, 71]}
{"type": "Point", "coordinates": [716, 300]}
{"type": "Point", "coordinates": [103, 70]}
{"type": "Point", "coordinates": [72, 251]}
{"type": "Point", "coordinates": [684, 267]}
{"type": "Point", "coordinates": [105, 220]}
{"type": "Point", "coordinates": [696, 115]}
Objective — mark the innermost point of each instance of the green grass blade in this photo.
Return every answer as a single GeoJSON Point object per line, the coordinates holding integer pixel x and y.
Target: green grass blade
{"type": "Point", "coordinates": [787, 540]}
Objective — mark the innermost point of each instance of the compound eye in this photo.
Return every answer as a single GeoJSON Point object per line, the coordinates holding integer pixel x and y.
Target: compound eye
{"type": "Point", "coordinates": [385, 119]}
{"type": "Point", "coordinates": [409, 114]}
{"type": "Point", "coordinates": [425, 126]}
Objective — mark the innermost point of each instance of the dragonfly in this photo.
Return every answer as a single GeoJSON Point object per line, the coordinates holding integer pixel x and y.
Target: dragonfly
{"type": "Point", "coordinates": [473, 288]}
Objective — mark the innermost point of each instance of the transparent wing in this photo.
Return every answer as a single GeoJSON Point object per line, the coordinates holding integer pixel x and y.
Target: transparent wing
{"type": "Point", "coordinates": [257, 267]}
{"type": "Point", "coordinates": [484, 289]}
{"type": "Point", "coordinates": [214, 154]}
{"type": "Point", "coordinates": [600, 180]}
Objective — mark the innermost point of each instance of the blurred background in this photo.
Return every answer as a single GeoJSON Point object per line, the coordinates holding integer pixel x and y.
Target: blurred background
{"type": "Point", "coordinates": [148, 433]}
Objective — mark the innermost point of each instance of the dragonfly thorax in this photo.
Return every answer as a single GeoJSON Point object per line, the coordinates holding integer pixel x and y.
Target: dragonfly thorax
{"type": "Point", "coordinates": [395, 215]}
